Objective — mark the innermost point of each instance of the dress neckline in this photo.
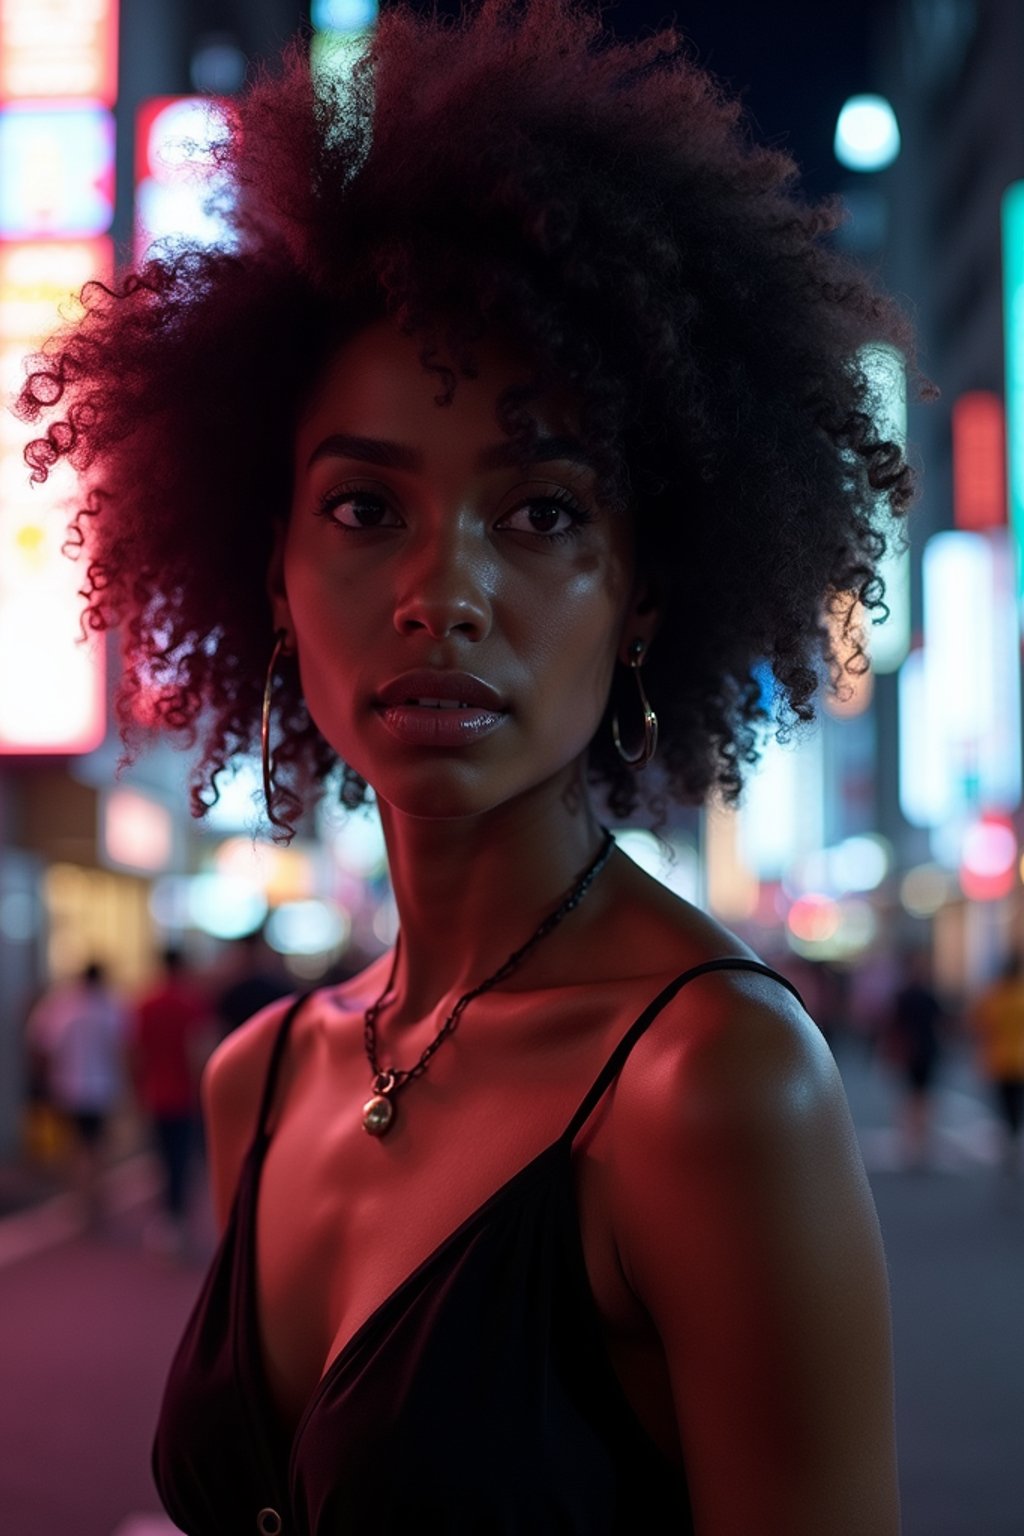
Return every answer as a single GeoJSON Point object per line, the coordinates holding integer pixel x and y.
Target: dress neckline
{"type": "Point", "coordinates": [282, 1446]}
{"type": "Point", "coordinates": [336, 1366]}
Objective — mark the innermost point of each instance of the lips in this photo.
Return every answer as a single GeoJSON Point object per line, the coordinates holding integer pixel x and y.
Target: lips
{"type": "Point", "coordinates": [441, 690]}
{"type": "Point", "coordinates": [440, 709]}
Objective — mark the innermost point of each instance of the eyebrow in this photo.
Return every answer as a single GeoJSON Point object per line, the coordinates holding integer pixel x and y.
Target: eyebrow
{"type": "Point", "coordinates": [374, 450]}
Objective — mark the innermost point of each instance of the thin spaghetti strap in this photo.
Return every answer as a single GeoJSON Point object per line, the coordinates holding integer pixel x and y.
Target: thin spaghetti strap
{"type": "Point", "coordinates": [614, 1064]}
{"type": "Point", "coordinates": [274, 1065]}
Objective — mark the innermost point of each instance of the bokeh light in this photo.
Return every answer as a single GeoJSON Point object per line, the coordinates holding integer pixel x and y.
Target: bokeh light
{"type": "Point", "coordinates": [867, 134]}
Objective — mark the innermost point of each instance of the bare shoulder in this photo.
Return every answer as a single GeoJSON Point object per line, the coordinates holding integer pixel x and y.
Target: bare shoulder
{"type": "Point", "coordinates": [735, 1081]}
{"type": "Point", "coordinates": [235, 1072]}
{"type": "Point", "coordinates": [746, 1230]}
{"type": "Point", "coordinates": [735, 1046]}
{"type": "Point", "coordinates": [230, 1090]}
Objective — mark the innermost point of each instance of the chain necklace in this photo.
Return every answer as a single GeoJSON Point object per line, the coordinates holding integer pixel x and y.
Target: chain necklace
{"type": "Point", "coordinates": [379, 1111]}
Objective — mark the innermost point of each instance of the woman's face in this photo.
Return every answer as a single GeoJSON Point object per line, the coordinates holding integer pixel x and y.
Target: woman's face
{"type": "Point", "coordinates": [456, 614]}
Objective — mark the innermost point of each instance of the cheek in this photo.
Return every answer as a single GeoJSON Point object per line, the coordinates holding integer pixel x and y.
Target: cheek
{"type": "Point", "coordinates": [321, 597]}
{"type": "Point", "coordinates": [584, 625]}
{"type": "Point", "coordinates": [327, 621]}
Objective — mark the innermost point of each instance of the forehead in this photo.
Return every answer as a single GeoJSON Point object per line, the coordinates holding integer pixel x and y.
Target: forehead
{"type": "Point", "coordinates": [375, 384]}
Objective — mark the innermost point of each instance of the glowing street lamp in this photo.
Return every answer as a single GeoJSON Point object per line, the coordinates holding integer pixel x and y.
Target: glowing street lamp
{"type": "Point", "coordinates": [867, 134]}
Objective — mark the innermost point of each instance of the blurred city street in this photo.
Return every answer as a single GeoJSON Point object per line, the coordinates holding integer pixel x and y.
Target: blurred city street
{"type": "Point", "coordinates": [87, 1326]}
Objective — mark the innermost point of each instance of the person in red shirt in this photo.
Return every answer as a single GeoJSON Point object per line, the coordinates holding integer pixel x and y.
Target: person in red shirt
{"type": "Point", "coordinates": [171, 1037]}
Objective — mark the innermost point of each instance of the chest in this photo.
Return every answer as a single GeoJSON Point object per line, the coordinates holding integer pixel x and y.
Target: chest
{"type": "Point", "coordinates": [343, 1219]}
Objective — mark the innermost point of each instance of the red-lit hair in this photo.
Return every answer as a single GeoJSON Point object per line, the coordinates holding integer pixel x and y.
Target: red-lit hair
{"type": "Point", "coordinates": [521, 170]}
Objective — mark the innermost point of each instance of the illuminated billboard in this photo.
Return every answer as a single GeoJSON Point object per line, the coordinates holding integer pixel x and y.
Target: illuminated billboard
{"type": "Point", "coordinates": [1013, 348]}
{"type": "Point", "coordinates": [175, 174]}
{"type": "Point", "coordinates": [52, 689]}
{"type": "Point", "coordinates": [960, 727]}
{"type": "Point", "coordinates": [52, 49]}
{"type": "Point", "coordinates": [979, 478]}
{"type": "Point", "coordinates": [58, 81]}
{"type": "Point", "coordinates": [886, 373]}
{"type": "Point", "coordinates": [56, 171]}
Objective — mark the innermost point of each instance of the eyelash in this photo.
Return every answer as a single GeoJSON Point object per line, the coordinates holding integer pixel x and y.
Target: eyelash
{"type": "Point", "coordinates": [560, 498]}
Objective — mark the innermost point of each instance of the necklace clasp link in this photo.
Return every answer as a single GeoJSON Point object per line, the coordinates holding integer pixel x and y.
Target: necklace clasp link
{"type": "Point", "coordinates": [383, 1082]}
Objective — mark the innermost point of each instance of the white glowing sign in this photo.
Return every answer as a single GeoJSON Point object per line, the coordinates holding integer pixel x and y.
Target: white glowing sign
{"type": "Point", "coordinates": [175, 173]}
{"type": "Point", "coordinates": [782, 816]}
{"type": "Point", "coordinates": [52, 689]}
{"type": "Point", "coordinates": [1013, 351]}
{"type": "Point", "coordinates": [960, 728]}
{"type": "Point", "coordinates": [56, 171]}
{"type": "Point", "coordinates": [920, 747]}
{"type": "Point", "coordinates": [886, 372]}
{"type": "Point", "coordinates": [58, 48]}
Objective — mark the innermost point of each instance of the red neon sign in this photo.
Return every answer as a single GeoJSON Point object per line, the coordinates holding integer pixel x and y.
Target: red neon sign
{"type": "Point", "coordinates": [979, 478]}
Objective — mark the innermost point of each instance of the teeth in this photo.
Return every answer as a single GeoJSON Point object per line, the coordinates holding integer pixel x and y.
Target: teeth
{"type": "Point", "coordinates": [439, 703]}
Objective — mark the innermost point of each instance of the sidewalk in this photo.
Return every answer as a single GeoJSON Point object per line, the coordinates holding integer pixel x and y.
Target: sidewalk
{"type": "Point", "coordinates": [965, 1131]}
{"type": "Point", "coordinates": [954, 1239]}
{"type": "Point", "coordinates": [47, 1215]}
{"type": "Point", "coordinates": [25, 1184]}
{"type": "Point", "coordinates": [88, 1323]}
{"type": "Point", "coordinates": [36, 1207]}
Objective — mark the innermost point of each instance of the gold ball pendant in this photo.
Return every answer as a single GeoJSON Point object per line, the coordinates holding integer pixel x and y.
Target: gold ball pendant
{"type": "Point", "coordinates": [378, 1115]}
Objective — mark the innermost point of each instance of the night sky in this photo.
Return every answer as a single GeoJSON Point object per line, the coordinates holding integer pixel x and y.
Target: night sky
{"type": "Point", "coordinates": [793, 63]}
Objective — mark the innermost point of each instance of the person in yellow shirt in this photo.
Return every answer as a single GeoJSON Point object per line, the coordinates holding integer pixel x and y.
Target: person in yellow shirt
{"type": "Point", "coordinates": [998, 1022]}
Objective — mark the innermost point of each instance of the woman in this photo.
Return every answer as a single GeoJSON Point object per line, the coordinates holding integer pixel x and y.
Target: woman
{"type": "Point", "coordinates": [520, 433]}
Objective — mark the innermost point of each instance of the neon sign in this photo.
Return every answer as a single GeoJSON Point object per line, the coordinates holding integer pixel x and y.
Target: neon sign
{"type": "Point", "coordinates": [58, 48]}
{"type": "Point", "coordinates": [979, 479]}
{"type": "Point", "coordinates": [56, 171]}
{"type": "Point", "coordinates": [52, 689]}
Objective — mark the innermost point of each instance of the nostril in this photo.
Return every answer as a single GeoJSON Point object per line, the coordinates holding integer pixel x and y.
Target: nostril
{"type": "Point", "coordinates": [467, 617]}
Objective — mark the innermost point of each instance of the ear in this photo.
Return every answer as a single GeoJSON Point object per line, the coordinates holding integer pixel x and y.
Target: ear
{"type": "Point", "coordinates": [281, 614]}
{"type": "Point", "coordinates": [643, 617]}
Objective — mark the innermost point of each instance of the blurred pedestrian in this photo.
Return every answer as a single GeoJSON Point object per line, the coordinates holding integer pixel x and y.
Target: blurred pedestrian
{"type": "Point", "coordinates": [997, 1020]}
{"type": "Point", "coordinates": [77, 1031]}
{"type": "Point", "coordinates": [912, 1044]}
{"type": "Point", "coordinates": [255, 980]}
{"type": "Point", "coordinates": [874, 981]}
{"type": "Point", "coordinates": [171, 1036]}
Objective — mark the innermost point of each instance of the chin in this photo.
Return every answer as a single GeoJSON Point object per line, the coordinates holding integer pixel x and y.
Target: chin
{"type": "Point", "coordinates": [448, 792]}
{"type": "Point", "coordinates": [437, 798]}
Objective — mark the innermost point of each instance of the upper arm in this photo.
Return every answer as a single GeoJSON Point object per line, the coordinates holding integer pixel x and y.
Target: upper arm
{"type": "Point", "coordinates": [230, 1091]}
{"type": "Point", "coordinates": [746, 1228]}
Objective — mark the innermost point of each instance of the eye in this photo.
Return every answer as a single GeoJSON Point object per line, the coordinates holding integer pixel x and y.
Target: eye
{"type": "Point", "coordinates": [355, 509]}
{"type": "Point", "coordinates": [555, 516]}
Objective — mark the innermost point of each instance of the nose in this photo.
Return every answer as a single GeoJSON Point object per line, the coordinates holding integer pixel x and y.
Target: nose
{"type": "Point", "coordinates": [443, 589]}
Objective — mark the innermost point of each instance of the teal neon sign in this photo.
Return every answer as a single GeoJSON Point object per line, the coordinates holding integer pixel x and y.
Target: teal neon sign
{"type": "Point", "coordinates": [1013, 326]}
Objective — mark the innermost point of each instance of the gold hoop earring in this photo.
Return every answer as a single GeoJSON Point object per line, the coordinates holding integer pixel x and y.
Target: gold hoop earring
{"type": "Point", "coordinates": [280, 641]}
{"type": "Point", "coordinates": [637, 650]}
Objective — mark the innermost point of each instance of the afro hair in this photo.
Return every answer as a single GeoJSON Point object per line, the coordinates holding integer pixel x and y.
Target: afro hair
{"type": "Point", "coordinates": [521, 169]}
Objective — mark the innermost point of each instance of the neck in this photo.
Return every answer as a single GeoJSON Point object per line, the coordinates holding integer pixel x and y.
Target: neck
{"type": "Point", "coordinates": [470, 891]}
